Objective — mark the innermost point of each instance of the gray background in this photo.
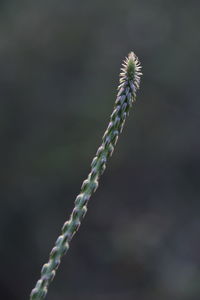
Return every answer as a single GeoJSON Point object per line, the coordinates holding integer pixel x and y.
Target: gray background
{"type": "Point", "coordinates": [59, 66]}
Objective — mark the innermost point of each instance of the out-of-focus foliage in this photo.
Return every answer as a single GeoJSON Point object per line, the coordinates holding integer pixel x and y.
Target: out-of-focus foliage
{"type": "Point", "coordinates": [58, 77]}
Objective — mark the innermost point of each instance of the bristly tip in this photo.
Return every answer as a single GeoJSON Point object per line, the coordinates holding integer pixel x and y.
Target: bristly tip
{"type": "Point", "coordinates": [131, 69]}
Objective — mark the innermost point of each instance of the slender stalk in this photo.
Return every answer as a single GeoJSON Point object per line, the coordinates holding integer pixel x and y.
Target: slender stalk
{"type": "Point", "coordinates": [129, 83]}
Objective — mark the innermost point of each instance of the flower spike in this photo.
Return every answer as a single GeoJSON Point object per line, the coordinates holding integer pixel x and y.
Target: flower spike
{"type": "Point", "coordinates": [129, 84]}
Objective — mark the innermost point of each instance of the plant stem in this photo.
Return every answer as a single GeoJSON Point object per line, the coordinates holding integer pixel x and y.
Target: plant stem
{"type": "Point", "coordinates": [129, 83]}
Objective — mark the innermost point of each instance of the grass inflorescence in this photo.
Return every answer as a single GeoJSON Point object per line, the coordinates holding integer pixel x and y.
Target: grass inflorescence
{"type": "Point", "coordinates": [129, 84]}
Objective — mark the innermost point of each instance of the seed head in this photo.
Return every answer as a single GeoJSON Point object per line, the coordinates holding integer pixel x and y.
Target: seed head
{"type": "Point", "coordinates": [131, 70]}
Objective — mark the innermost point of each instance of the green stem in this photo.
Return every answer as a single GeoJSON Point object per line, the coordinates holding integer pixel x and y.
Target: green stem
{"type": "Point", "coordinates": [129, 83]}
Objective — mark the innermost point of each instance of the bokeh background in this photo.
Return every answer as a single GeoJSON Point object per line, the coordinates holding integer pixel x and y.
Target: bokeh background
{"type": "Point", "coordinates": [60, 62]}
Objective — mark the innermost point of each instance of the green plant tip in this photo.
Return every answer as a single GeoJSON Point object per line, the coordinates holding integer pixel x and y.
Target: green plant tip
{"type": "Point", "coordinates": [131, 70]}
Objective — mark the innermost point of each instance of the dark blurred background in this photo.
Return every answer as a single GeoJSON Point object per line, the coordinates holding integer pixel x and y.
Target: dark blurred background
{"type": "Point", "coordinates": [59, 66]}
